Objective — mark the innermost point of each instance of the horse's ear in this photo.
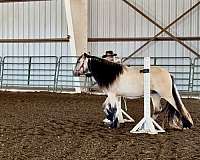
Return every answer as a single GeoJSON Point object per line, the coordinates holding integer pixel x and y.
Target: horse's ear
{"type": "Point", "coordinates": [86, 55]}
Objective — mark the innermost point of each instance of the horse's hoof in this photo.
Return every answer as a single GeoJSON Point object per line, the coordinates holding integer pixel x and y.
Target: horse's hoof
{"type": "Point", "coordinates": [115, 123]}
{"type": "Point", "coordinates": [106, 121]}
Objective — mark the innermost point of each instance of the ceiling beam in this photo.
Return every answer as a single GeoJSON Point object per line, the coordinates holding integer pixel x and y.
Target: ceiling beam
{"type": "Point", "coordinates": [39, 40]}
{"type": "Point", "coordinates": [137, 39]}
{"type": "Point", "coordinates": [12, 1]}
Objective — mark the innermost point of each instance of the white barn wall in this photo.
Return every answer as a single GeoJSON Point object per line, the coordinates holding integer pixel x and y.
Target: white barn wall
{"type": "Point", "coordinates": [107, 18]}
{"type": "Point", "coordinates": [32, 20]}
{"type": "Point", "coordinates": [36, 19]}
{"type": "Point", "coordinates": [114, 18]}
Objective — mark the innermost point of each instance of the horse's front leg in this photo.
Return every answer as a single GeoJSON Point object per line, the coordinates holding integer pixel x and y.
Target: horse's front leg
{"type": "Point", "coordinates": [105, 106]}
{"type": "Point", "coordinates": [111, 112]}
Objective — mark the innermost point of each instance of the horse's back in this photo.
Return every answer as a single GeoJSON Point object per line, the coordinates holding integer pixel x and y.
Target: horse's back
{"type": "Point", "coordinates": [160, 79]}
{"type": "Point", "coordinates": [131, 82]}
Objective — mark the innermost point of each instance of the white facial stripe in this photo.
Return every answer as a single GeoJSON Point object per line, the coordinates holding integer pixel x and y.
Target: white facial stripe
{"type": "Point", "coordinates": [82, 65]}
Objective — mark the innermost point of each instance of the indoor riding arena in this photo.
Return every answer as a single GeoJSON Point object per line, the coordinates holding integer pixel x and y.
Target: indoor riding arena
{"type": "Point", "coordinates": [47, 112]}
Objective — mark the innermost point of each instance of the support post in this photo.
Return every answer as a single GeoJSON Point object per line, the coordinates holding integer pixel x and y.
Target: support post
{"type": "Point", "coordinates": [76, 14]}
{"type": "Point", "coordinates": [147, 124]}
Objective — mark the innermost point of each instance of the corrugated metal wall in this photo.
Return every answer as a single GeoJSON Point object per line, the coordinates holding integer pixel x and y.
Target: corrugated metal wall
{"type": "Point", "coordinates": [107, 18]}
{"type": "Point", "coordinates": [35, 19]}
{"type": "Point", "coordinates": [32, 20]}
{"type": "Point", "coordinates": [114, 18]}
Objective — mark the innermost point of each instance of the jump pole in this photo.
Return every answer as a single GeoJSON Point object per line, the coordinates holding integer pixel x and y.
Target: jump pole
{"type": "Point", "coordinates": [147, 124]}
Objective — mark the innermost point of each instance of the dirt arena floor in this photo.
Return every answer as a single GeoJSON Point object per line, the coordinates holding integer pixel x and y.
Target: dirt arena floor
{"type": "Point", "coordinates": [50, 126]}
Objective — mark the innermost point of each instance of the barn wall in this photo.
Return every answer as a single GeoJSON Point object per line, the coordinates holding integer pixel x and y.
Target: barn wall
{"type": "Point", "coordinates": [106, 19]}
{"type": "Point", "coordinates": [114, 18]}
{"type": "Point", "coordinates": [36, 19]}
{"type": "Point", "coordinates": [32, 20]}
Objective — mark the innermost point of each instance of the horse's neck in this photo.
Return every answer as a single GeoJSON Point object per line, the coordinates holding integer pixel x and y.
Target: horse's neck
{"type": "Point", "coordinates": [104, 72]}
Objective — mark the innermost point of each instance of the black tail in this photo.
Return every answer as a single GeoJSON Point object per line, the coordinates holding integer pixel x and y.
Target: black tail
{"type": "Point", "coordinates": [177, 116]}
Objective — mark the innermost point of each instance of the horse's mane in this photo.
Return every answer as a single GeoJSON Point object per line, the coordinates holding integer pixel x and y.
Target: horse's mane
{"type": "Point", "coordinates": [103, 71]}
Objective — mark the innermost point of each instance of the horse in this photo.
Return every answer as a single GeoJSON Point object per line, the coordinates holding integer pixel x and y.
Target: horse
{"type": "Point", "coordinates": [120, 80]}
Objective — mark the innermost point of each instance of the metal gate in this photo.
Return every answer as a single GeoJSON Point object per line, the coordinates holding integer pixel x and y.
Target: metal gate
{"type": "Point", "coordinates": [181, 71]}
{"type": "Point", "coordinates": [29, 71]}
{"type": "Point", "coordinates": [196, 76]}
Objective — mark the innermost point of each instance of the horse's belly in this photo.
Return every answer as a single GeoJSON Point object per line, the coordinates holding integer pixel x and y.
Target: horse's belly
{"type": "Point", "coordinates": [129, 88]}
{"type": "Point", "coordinates": [131, 91]}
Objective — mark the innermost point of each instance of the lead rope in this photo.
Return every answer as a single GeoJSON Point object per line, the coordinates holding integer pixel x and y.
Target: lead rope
{"type": "Point", "coordinates": [125, 105]}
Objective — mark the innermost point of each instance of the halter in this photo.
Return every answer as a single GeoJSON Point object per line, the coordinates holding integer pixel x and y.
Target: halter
{"type": "Point", "coordinates": [82, 66]}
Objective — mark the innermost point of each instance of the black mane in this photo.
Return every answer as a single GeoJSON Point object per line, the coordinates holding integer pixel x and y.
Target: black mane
{"type": "Point", "coordinates": [103, 71]}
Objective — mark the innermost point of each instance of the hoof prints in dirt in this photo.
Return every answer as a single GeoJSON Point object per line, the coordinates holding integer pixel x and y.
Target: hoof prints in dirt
{"type": "Point", "coordinates": [64, 126]}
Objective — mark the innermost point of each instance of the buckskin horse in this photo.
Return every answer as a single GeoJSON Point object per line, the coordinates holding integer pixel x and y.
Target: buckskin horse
{"type": "Point", "coordinates": [120, 80]}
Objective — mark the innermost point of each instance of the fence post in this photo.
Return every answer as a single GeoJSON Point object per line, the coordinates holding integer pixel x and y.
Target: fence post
{"type": "Point", "coordinates": [2, 72]}
{"type": "Point", "coordinates": [29, 70]}
{"type": "Point", "coordinates": [55, 75]}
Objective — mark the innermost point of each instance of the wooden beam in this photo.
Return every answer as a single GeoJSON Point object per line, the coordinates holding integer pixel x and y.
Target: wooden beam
{"type": "Point", "coordinates": [12, 1]}
{"type": "Point", "coordinates": [136, 39]}
{"type": "Point", "coordinates": [41, 40]}
{"type": "Point", "coordinates": [119, 39]}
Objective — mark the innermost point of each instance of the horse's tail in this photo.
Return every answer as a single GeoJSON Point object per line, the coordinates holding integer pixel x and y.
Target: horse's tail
{"type": "Point", "coordinates": [180, 114]}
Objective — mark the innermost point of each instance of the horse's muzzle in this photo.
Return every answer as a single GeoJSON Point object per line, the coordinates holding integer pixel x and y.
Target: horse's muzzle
{"type": "Point", "coordinates": [76, 73]}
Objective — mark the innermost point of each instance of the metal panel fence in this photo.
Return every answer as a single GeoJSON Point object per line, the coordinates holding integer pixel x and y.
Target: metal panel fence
{"type": "Point", "coordinates": [43, 71]}
{"type": "Point", "coordinates": [196, 76]}
{"type": "Point", "coordinates": [15, 71]}
{"type": "Point", "coordinates": [65, 78]}
{"type": "Point", "coordinates": [29, 71]}
{"type": "Point", "coordinates": [56, 73]}
{"type": "Point", "coordinates": [181, 71]}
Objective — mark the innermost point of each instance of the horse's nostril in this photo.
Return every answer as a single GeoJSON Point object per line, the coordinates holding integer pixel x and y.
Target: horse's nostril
{"type": "Point", "coordinates": [75, 73]}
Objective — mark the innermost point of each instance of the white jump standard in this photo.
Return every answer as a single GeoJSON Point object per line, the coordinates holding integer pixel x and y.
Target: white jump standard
{"type": "Point", "coordinates": [122, 113]}
{"type": "Point", "coordinates": [146, 125]}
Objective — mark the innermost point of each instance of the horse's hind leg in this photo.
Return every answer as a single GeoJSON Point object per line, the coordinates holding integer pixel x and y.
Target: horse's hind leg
{"type": "Point", "coordinates": [156, 105]}
{"type": "Point", "coordinates": [173, 115]}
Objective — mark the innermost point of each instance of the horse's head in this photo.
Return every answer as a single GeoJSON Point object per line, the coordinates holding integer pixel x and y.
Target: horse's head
{"type": "Point", "coordinates": [81, 65]}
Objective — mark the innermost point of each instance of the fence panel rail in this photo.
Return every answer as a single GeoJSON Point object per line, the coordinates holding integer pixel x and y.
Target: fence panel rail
{"type": "Point", "coordinates": [29, 71]}
{"type": "Point", "coordinates": [56, 73]}
{"type": "Point", "coordinates": [15, 71]}
{"type": "Point", "coordinates": [196, 76]}
{"type": "Point", "coordinates": [179, 67]}
{"type": "Point", "coordinates": [65, 78]}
